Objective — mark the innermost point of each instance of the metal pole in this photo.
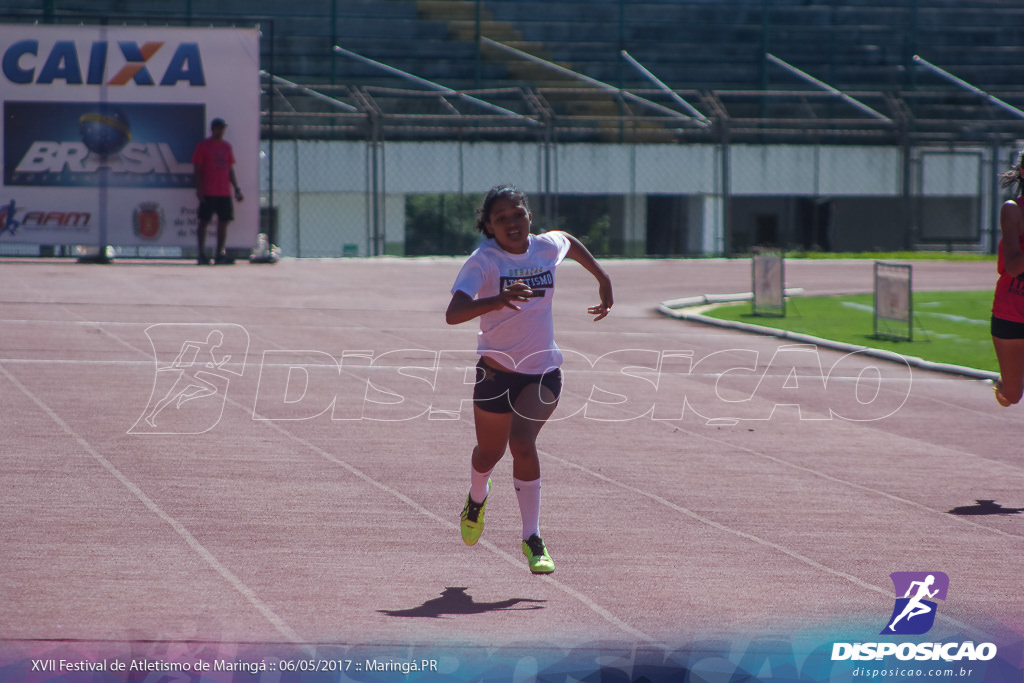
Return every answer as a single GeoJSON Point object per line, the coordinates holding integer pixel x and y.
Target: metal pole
{"type": "Point", "coordinates": [103, 190]}
{"type": "Point", "coordinates": [368, 177]}
{"type": "Point", "coordinates": [911, 49]}
{"type": "Point", "coordinates": [618, 68]}
{"type": "Point", "coordinates": [765, 39]}
{"type": "Point", "coordinates": [825, 86]}
{"type": "Point", "coordinates": [967, 86]}
{"type": "Point", "coordinates": [434, 86]}
{"type": "Point", "coordinates": [298, 200]}
{"type": "Point", "coordinates": [910, 202]}
{"type": "Point", "coordinates": [477, 67]}
{"type": "Point", "coordinates": [334, 37]}
{"type": "Point", "coordinates": [994, 232]}
{"type": "Point", "coordinates": [104, 215]}
{"type": "Point", "coordinates": [272, 135]}
{"type": "Point", "coordinates": [765, 49]}
{"type": "Point", "coordinates": [671, 93]}
{"type": "Point", "coordinates": [333, 101]}
{"type": "Point", "coordinates": [592, 81]}
{"type": "Point", "coordinates": [622, 41]}
{"type": "Point", "coordinates": [375, 170]}
{"type": "Point", "coordinates": [382, 218]}
{"type": "Point", "coordinates": [726, 195]}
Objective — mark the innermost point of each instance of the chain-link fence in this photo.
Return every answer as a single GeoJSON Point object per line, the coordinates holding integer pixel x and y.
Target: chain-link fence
{"type": "Point", "coordinates": [346, 198]}
{"type": "Point", "coordinates": [366, 169]}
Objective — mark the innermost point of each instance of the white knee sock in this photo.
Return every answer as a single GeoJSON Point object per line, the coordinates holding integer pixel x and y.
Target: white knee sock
{"type": "Point", "coordinates": [528, 493]}
{"type": "Point", "coordinates": [478, 488]}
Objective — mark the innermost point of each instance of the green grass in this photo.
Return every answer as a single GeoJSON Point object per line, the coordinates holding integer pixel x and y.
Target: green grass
{"type": "Point", "coordinates": [949, 327]}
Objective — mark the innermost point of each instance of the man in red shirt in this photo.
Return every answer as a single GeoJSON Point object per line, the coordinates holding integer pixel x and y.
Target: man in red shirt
{"type": "Point", "coordinates": [214, 164]}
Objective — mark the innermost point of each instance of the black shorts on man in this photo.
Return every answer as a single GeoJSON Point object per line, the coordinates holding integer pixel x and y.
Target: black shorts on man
{"type": "Point", "coordinates": [222, 207]}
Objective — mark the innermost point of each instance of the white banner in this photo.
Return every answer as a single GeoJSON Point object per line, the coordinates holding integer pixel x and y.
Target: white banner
{"type": "Point", "coordinates": [99, 125]}
{"type": "Point", "coordinates": [893, 300]}
{"type": "Point", "coordinates": [892, 292]}
{"type": "Point", "coordinates": [768, 284]}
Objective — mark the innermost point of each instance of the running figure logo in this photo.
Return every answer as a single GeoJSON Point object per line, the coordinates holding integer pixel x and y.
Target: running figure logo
{"type": "Point", "coordinates": [914, 613]}
{"type": "Point", "coordinates": [190, 387]}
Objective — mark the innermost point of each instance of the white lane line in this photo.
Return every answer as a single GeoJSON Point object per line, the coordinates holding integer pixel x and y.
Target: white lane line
{"type": "Point", "coordinates": [516, 561]}
{"type": "Point", "coordinates": [282, 627]}
{"type": "Point", "coordinates": [747, 536]}
{"type": "Point", "coordinates": [861, 487]}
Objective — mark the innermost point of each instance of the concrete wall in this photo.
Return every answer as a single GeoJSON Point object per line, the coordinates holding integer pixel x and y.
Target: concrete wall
{"type": "Point", "coordinates": [323, 191]}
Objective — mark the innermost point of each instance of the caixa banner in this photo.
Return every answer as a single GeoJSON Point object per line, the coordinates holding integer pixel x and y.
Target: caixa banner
{"type": "Point", "coordinates": [99, 127]}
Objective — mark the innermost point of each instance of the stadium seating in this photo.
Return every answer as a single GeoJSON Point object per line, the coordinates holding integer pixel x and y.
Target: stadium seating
{"type": "Point", "coordinates": [699, 46]}
{"type": "Point", "coordinates": [858, 45]}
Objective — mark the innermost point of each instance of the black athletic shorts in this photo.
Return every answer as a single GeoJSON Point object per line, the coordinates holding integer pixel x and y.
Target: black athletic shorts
{"type": "Point", "coordinates": [222, 207]}
{"type": "Point", "coordinates": [496, 391]}
{"type": "Point", "coordinates": [1007, 329]}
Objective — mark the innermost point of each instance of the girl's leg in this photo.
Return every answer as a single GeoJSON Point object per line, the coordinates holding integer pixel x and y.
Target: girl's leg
{"type": "Point", "coordinates": [533, 408]}
{"type": "Point", "coordinates": [1010, 353]}
{"type": "Point", "coordinates": [492, 431]}
{"type": "Point", "coordinates": [492, 436]}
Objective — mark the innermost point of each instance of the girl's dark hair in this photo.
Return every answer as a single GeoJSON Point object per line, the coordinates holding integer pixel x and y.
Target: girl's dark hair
{"type": "Point", "coordinates": [510, 192]}
{"type": "Point", "coordinates": [1014, 178]}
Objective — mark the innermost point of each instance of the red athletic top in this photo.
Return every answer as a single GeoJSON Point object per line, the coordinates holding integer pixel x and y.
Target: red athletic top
{"type": "Point", "coordinates": [216, 159]}
{"type": "Point", "coordinates": [1008, 303]}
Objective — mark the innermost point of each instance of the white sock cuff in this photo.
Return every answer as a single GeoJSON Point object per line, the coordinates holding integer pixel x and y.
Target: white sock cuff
{"type": "Point", "coordinates": [521, 485]}
{"type": "Point", "coordinates": [478, 489]}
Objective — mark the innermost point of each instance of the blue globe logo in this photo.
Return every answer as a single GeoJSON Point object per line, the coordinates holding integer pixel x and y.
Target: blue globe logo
{"type": "Point", "coordinates": [105, 132]}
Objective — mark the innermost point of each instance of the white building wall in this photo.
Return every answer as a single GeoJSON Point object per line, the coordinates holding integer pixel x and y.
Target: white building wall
{"type": "Point", "coordinates": [787, 170]}
{"type": "Point", "coordinates": [323, 187]}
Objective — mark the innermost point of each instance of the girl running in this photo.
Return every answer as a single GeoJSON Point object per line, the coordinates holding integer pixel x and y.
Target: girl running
{"type": "Point", "coordinates": [508, 282]}
{"type": "Point", "coordinates": [1008, 301]}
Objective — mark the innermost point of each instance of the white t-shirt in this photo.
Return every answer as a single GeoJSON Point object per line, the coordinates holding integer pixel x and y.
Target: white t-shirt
{"type": "Point", "coordinates": [525, 337]}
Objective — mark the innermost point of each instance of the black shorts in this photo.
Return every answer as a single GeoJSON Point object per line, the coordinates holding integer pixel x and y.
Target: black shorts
{"type": "Point", "coordinates": [496, 391]}
{"type": "Point", "coordinates": [1006, 329]}
{"type": "Point", "coordinates": [222, 207]}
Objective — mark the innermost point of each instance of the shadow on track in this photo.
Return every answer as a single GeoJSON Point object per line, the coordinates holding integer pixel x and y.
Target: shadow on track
{"type": "Point", "coordinates": [985, 507]}
{"type": "Point", "coordinates": [456, 601]}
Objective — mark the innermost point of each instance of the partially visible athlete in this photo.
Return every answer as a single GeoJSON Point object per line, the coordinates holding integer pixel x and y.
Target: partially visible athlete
{"type": "Point", "coordinates": [1008, 302]}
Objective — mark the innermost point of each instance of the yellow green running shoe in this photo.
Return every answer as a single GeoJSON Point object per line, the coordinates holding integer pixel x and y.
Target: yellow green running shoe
{"type": "Point", "coordinates": [473, 519]}
{"type": "Point", "coordinates": [537, 554]}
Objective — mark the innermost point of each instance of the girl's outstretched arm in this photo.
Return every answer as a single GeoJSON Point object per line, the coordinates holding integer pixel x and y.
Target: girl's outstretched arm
{"type": "Point", "coordinates": [579, 253]}
{"type": "Point", "coordinates": [463, 307]}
